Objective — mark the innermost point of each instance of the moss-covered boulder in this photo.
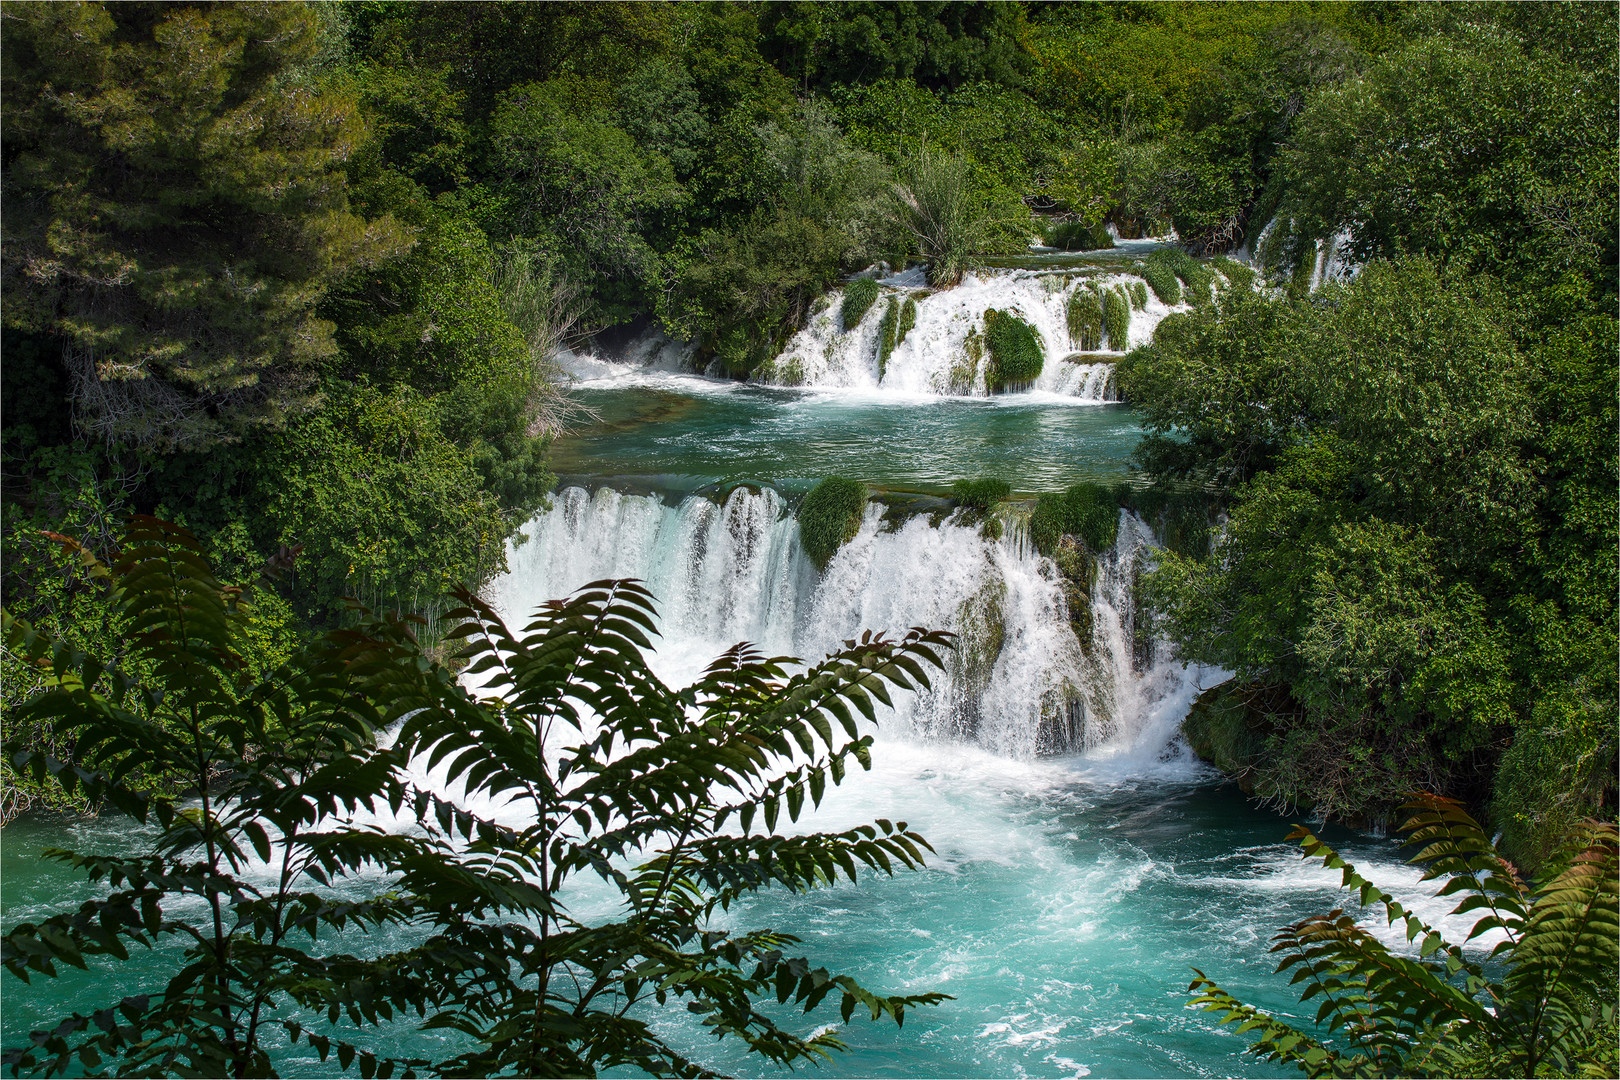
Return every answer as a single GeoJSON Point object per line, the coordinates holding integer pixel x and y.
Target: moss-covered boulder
{"type": "Point", "coordinates": [1077, 569]}
{"type": "Point", "coordinates": [829, 518]}
{"type": "Point", "coordinates": [1226, 728]}
{"type": "Point", "coordinates": [859, 296]}
{"type": "Point", "coordinates": [981, 634]}
{"type": "Point", "coordinates": [1016, 356]}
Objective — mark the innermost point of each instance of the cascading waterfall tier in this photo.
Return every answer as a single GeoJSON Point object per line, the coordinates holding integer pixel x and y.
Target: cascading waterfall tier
{"type": "Point", "coordinates": [943, 353]}
{"type": "Point", "coordinates": [1021, 682]}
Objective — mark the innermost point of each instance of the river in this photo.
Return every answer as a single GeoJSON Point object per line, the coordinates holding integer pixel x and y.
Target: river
{"type": "Point", "coordinates": [1085, 861]}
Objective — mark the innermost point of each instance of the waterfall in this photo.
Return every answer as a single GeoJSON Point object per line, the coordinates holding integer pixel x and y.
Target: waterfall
{"type": "Point", "coordinates": [942, 354]}
{"type": "Point", "coordinates": [1029, 675]}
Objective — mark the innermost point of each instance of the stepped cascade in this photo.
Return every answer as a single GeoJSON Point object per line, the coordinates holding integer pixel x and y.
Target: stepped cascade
{"type": "Point", "coordinates": [943, 353]}
{"type": "Point", "coordinates": [1029, 676]}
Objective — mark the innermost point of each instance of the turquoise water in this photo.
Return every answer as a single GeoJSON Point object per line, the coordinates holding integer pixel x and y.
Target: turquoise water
{"type": "Point", "coordinates": [1064, 911]}
{"type": "Point", "coordinates": [1070, 897]}
{"type": "Point", "coordinates": [684, 432]}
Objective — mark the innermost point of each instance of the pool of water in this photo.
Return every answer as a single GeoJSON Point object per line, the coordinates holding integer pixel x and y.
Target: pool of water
{"type": "Point", "coordinates": [688, 431]}
{"type": "Point", "coordinates": [1064, 910]}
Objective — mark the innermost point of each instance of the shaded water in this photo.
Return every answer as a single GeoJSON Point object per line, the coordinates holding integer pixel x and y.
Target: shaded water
{"type": "Point", "coordinates": [685, 431]}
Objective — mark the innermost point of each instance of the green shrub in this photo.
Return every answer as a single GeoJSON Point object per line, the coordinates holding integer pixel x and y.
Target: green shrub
{"type": "Point", "coordinates": [859, 296]}
{"type": "Point", "coordinates": [1235, 272]}
{"type": "Point", "coordinates": [1139, 294]}
{"type": "Point", "coordinates": [1162, 280]}
{"type": "Point", "coordinates": [1117, 318]}
{"type": "Point", "coordinates": [1086, 320]}
{"type": "Point", "coordinates": [1085, 511]}
{"type": "Point", "coordinates": [1016, 357]}
{"type": "Point", "coordinates": [1075, 236]}
{"type": "Point", "coordinates": [1299, 281]}
{"type": "Point", "coordinates": [1194, 275]}
{"type": "Point", "coordinates": [908, 319]}
{"type": "Point", "coordinates": [981, 495]}
{"type": "Point", "coordinates": [886, 334]}
{"type": "Point", "coordinates": [830, 517]}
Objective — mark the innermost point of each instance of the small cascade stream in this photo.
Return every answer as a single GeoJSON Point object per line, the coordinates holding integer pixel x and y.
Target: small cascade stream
{"type": "Point", "coordinates": [1028, 677]}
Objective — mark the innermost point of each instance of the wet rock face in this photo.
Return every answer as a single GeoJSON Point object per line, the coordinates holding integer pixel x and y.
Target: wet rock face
{"type": "Point", "coordinates": [981, 635]}
{"type": "Point", "coordinates": [1079, 572]}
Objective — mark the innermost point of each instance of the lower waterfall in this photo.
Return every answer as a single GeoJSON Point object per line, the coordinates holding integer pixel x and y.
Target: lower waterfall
{"type": "Point", "coordinates": [1028, 676]}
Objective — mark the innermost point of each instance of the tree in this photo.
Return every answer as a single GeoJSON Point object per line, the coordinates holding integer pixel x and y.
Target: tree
{"type": "Point", "coordinates": [1518, 169]}
{"type": "Point", "coordinates": [659, 793]}
{"type": "Point", "coordinates": [176, 210]}
{"type": "Point", "coordinates": [1547, 1009]}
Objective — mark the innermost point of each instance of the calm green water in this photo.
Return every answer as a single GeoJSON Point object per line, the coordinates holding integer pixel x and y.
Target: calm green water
{"type": "Point", "coordinates": [684, 432]}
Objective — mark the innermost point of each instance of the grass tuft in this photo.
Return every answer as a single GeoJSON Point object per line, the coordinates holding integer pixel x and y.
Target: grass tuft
{"type": "Point", "coordinates": [1087, 512]}
{"type": "Point", "coordinates": [829, 518]}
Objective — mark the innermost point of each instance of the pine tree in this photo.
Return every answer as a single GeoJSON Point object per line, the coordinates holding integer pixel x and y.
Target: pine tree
{"type": "Point", "coordinates": [176, 210]}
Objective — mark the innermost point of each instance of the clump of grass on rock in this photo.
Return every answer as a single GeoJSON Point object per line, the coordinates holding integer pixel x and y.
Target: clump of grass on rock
{"type": "Point", "coordinates": [859, 296]}
{"type": "Point", "coordinates": [1117, 318]}
{"type": "Point", "coordinates": [1085, 320]}
{"type": "Point", "coordinates": [1016, 357]}
{"type": "Point", "coordinates": [830, 517]}
{"type": "Point", "coordinates": [1088, 512]}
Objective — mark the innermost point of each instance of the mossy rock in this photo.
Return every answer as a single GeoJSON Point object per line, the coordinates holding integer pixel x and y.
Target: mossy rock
{"type": "Point", "coordinates": [1016, 356]}
{"type": "Point", "coordinates": [1078, 568]}
{"type": "Point", "coordinates": [908, 320]}
{"type": "Point", "coordinates": [886, 334]}
{"type": "Point", "coordinates": [1085, 317]}
{"type": "Point", "coordinates": [981, 634]}
{"type": "Point", "coordinates": [859, 296]}
{"type": "Point", "coordinates": [1117, 319]}
{"type": "Point", "coordinates": [1224, 729]}
{"type": "Point", "coordinates": [829, 518]}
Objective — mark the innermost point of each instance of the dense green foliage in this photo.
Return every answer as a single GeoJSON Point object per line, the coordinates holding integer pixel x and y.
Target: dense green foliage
{"type": "Point", "coordinates": [658, 798]}
{"type": "Point", "coordinates": [1087, 512]}
{"type": "Point", "coordinates": [982, 494]}
{"type": "Point", "coordinates": [1546, 1007]}
{"type": "Point", "coordinates": [859, 296]}
{"type": "Point", "coordinates": [829, 517]}
{"type": "Point", "coordinates": [177, 212]}
{"type": "Point", "coordinates": [1016, 355]}
{"type": "Point", "coordinates": [1417, 582]}
{"type": "Point", "coordinates": [1389, 564]}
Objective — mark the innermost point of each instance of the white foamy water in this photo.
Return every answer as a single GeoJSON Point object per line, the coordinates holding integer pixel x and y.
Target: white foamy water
{"type": "Point", "coordinates": [935, 357]}
{"type": "Point", "coordinates": [1021, 682]}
